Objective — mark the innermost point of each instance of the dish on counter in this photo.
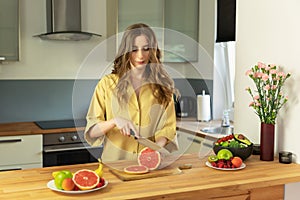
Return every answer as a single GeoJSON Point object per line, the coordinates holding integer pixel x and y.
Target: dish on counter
{"type": "Point", "coordinates": [208, 164]}
{"type": "Point", "coordinates": [51, 186]}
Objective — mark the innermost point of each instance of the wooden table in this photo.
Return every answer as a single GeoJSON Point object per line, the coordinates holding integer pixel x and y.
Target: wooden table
{"type": "Point", "coordinates": [259, 180]}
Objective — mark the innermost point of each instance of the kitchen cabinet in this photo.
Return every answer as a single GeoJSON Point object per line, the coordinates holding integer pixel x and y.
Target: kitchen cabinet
{"type": "Point", "coordinates": [175, 23]}
{"type": "Point", "coordinates": [9, 30]}
{"type": "Point", "coordinates": [182, 17]}
{"type": "Point", "coordinates": [20, 152]}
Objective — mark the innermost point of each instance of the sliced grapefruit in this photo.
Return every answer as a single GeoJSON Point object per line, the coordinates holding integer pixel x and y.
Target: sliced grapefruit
{"type": "Point", "coordinates": [86, 179]}
{"type": "Point", "coordinates": [149, 158]}
{"type": "Point", "coordinates": [136, 169]}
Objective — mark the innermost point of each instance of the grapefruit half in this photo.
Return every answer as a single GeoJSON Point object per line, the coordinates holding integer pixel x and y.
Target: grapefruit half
{"type": "Point", "coordinates": [86, 179]}
{"type": "Point", "coordinates": [136, 169]}
{"type": "Point", "coordinates": [149, 158]}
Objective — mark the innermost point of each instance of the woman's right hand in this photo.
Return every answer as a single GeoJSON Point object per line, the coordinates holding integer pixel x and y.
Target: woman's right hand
{"type": "Point", "coordinates": [125, 126]}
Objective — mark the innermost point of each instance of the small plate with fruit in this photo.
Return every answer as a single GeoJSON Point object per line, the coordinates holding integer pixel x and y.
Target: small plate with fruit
{"type": "Point", "coordinates": [102, 184]}
{"type": "Point", "coordinates": [82, 181]}
{"type": "Point", "coordinates": [224, 160]}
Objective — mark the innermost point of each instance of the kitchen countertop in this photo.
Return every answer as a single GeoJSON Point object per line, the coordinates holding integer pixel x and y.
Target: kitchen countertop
{"type": "Point", "coordinates": [189, 125]}
{"type": "Point", "coordinates": [30, 128]}
{"type": "Point", "coordinates": [258, 180]}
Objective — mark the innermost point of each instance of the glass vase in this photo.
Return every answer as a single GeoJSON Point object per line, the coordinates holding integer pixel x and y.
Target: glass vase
{"type": "Point", "coordinates": [267, 142]}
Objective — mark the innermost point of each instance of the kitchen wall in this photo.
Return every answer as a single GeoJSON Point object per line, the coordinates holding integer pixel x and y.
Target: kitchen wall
{"type": "Point", "coordinates": [44, 99]}
{"type": "Point", "coordinates": [57, 99]}
{"type": "Point", "coordinates": [268, 31]}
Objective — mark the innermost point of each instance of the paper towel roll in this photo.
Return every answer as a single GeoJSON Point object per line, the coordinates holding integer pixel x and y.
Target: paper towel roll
{"type": "Point", "coordinates": [203, 108]}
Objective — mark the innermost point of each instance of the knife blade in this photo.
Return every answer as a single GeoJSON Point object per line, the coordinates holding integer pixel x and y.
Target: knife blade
{"type": "Point", "coordinates": [146, 142]}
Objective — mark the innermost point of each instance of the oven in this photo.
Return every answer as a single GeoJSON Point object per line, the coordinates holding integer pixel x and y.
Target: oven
{"type": "Point", "coordinates": [66, 148]}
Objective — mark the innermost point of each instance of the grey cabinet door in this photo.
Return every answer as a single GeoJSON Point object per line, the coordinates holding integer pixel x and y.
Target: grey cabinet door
{"type": "Point", "coordinates": [181, 18]}
{"type": "Point", "coordinates": [9, 30]}
{"type": "Point", "coordinates": [177, 22]}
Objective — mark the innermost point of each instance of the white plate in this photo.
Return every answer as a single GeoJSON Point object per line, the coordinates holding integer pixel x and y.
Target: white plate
{"type": "Point", "coordinates": [208, 164]}
{"type": "Point", "coordinates": [51, 185]}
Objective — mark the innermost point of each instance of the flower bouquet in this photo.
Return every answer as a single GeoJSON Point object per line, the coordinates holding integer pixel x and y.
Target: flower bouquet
{"type": "Point", "coordinates": [267, 100]}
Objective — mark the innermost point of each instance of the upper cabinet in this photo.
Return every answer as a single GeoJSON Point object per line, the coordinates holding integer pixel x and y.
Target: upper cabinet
{"type": "Point", "coordinates": [134, 11]}
{"type": "Point", "coordinates": [182, 17]}
{"type": "Point", "coordinates": [9, 30]}
{"type": "Point", "coordinates": [175, 23]}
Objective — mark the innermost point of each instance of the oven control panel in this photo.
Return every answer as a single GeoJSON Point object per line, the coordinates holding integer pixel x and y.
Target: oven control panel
{"type": "Point", "coordinates": [61, 138]}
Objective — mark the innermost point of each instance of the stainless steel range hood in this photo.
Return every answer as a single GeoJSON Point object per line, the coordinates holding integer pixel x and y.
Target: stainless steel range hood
{"type": "Point", "coordinates": [64, 21]}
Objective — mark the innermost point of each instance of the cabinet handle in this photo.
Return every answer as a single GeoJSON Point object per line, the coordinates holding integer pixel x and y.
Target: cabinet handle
{"type": "Point", "coordinates": [194, 140]}
{"type": "Point", "coordinates": [10, 169]}
{"type": "Point", "coordinates": [208, 145]}
{"type": "Point", "coordinates": [10, 140]}
{"type": "Point", "coordinates": [68, 149]}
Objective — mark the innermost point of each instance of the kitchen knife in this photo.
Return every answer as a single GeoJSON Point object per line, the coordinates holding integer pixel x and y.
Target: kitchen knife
{"type": "Point", "coordinates": [146, 142]}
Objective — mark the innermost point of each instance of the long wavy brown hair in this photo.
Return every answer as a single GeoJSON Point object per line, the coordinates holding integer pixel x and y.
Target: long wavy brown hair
{"type": "Point", "coordinates": [161, 83]}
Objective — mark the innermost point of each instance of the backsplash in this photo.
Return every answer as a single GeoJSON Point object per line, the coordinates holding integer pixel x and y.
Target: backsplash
{"type": "Point", "coordinates": [37, 100]}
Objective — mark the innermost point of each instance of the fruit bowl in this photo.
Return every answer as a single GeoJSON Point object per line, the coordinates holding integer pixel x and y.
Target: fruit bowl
{"type": "Point", "coordinates": [243, 153]}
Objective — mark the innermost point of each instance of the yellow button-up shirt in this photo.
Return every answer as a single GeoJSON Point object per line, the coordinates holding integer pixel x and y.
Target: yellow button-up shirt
{"type": "Point", "coordinates": [151, 119]}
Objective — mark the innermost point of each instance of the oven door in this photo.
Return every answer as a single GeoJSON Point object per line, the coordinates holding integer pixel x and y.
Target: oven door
{"type": "Point", "coordinates": [68, 154]}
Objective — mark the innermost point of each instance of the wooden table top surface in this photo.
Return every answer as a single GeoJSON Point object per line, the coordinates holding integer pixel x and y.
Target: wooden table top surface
{"type": "Point", "coordinates": [32, 183]}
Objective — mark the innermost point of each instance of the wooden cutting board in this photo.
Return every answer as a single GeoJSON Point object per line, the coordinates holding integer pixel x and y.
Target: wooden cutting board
{"type": "Point", "coordinates": [155, 173]}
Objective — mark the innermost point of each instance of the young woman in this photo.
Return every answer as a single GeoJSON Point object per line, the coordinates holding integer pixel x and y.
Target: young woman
{"type": "Point", "coordinates": [137, 96]}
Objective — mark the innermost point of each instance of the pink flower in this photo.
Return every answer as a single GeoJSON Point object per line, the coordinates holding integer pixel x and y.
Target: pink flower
{"type": "Point", "coordinates": [256, 97]}
{"type": "Point", "coordinates": [261, 65]}
{"type": "Point", "coordinates": [267, 87]}
{"type": "Point", "coordinates": [274, 87]}
{"type": "Point", "coordinates": [249, 72]}
{"type": "Point", "coordinates": [265, 77]}
{"type": "Point", "coordinates": [258, 74]}
{"type": "Point", "coordinates": [273, 71]}
{"type": "Point", "coordinates": [281, 74]}
{"type": "Point", "coordinates": [251, 104]}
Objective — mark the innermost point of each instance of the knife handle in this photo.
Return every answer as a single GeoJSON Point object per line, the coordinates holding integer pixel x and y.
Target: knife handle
{"type": "Point", "coordinates": [132, 134]}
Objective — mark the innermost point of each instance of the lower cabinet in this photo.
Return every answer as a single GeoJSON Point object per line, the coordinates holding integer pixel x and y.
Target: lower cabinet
{"type": "Point", "coordinates": [21, 152]}
{"type": "Point", "coordinates": [189, 143]}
